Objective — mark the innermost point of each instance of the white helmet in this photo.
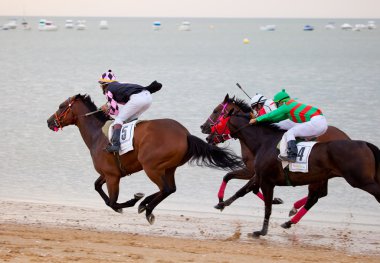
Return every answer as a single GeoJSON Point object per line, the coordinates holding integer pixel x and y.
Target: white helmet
{"type": "Point", "coordinates": [258, 98]}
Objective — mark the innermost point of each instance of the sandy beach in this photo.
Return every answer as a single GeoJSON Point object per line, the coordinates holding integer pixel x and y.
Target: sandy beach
{"type": "Point", "coordinates": [38, 232]}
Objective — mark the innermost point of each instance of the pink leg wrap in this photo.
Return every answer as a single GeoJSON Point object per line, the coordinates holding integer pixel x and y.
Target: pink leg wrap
{"type": "Point", "coordinates": [221, 190]}
{"type": "Point", "coordinates": [260, 195]}
{"type": "Point", "coordinates": [299, 215]}
{"type": "Point", "coordinates": [300, 203]}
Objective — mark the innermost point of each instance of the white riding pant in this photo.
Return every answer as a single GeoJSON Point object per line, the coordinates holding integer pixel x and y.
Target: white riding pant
{"type": "Point", "coordinates": [313, 128]}
{"type": "Point", "coordinates": [137, 104]}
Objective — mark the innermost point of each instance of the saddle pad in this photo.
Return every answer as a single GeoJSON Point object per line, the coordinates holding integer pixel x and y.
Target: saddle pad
{"type": "Point", "coordinates": [302, 161]}
{"type": "Point", "coordinates": [126, 136]}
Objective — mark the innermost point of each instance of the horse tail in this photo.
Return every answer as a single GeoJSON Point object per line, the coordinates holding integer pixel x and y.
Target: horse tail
{"type": "Point", "coordinates": [376, 154]}
{"type": "Point", "coordinates": [204, 154]}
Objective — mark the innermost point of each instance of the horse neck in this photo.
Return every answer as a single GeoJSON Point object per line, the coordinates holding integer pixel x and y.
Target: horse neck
{"type": "Point", "coordinates": [90, 129]}
{"type": "Point", "coordinates": [255, 136]}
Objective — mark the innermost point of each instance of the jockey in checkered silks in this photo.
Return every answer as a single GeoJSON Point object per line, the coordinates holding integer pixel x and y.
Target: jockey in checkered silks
{"type": "Point", "coordinates": [125, 101]}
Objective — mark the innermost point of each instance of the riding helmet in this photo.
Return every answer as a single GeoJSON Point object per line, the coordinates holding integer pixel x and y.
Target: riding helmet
{"type": "Point", "coordinates": [282, 95]}
{"type": "Point", "coordinates": [107, 77]}
{"type": "Point", "coordinates": [258, 98]}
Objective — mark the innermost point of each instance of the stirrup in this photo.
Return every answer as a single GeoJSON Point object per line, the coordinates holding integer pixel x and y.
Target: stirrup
{"type": "Point", "coordinates": [286, 159]}
{"type": "Point", "coordinates": [112, 148]}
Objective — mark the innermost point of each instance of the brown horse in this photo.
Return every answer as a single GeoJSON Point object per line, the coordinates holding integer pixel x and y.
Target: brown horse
{"type": "Point", "coordinates": [248, 157]}
{"type": "Point", "coordinates": [358, 162]}
{"type": "Point", "coordinates": [160, 146]}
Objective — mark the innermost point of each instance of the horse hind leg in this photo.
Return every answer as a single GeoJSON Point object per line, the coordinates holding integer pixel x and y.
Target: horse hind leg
{"type": "Point", "coordinates": [312, 199]}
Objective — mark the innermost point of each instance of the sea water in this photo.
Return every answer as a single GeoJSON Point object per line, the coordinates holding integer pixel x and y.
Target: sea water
{"type": "Point", "coordinates": [335, 70]}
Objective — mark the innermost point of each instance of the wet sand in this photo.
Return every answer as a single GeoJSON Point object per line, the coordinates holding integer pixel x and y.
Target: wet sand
{"type": "Point", "coordinates": [37, 232]}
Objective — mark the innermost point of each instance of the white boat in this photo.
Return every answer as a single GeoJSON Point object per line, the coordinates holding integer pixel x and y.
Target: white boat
{"type": "Point", "coordinates": [69, 24]}
{"type": "Point", "coordinates": [346, 26]}
{"type": "Point", "coordinates": [25, 25]}
{"type": "Point", "coordinates": [46, 25]}
{"type": "Point", "coordinates": [103, 24]}
{"type": "Point", "coordinates": [185, 26]}
{"type": "Point", "coordinates": [81, 25]}
{"type": "Point", "coordinates": [268, 28]}
{"type": "Point", "coordinates": [156, 25]}
{"type": "Point", "coordinates": [11, 24]}
{"type": "Point", "coordinates": [371, 25]}
{"type": "Point", "coordinates": [308, 28]}
{"type": "Point", "coordinates": [330, 26]}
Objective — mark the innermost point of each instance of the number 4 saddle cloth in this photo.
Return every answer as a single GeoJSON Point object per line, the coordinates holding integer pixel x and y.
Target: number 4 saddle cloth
{"type": "Point", "coordinates": [302, 160]}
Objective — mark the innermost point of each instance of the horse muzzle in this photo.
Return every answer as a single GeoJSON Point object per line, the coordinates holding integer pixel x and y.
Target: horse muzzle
{"type": "Point", "coordinates": [205, 129]}
{"type": "Point", "coordinates": [52, 124]}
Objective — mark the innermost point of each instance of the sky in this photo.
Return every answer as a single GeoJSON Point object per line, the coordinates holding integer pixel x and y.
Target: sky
{"type": "Point", "coordinates": [194, 8]}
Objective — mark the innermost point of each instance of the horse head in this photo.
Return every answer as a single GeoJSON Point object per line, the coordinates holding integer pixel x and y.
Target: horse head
{"type": "Point", "coordinates": [216, 123]}
{"type": "Point", "coordinates": [71, 109]}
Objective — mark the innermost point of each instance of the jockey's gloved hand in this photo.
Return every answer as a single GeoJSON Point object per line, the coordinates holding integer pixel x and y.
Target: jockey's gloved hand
{"type": "Point", "coordinates": [104, 108]}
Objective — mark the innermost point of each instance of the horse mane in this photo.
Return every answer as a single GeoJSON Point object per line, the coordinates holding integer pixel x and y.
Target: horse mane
{"type": "Point", "coordinates": [247, 109]}
{"type": "Point", "coordinates": [86, 99]}
{"type": "Point", "coordinates": [241, 104]}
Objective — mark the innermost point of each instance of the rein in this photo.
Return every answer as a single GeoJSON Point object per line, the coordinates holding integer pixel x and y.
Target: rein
{"type": "Point", "coordinates": [59, 118]}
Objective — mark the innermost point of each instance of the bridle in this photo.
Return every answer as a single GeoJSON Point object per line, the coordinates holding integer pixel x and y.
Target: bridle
{"type": "Point", "coordinates": [59, 118]}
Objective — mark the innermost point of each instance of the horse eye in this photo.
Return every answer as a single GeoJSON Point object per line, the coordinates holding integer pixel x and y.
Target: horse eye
{"type": "Point", "coordinates": [214, 112]}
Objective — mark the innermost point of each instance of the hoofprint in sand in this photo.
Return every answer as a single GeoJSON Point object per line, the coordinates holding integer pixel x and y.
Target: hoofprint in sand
{"type": "Point", "coordinates": [346, 237]}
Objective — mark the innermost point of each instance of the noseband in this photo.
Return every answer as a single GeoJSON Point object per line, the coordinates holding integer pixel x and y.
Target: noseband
{"type": "Point", "coordinates": [59, 118]}
{"type": "Point", "coordinates": [225, 134]}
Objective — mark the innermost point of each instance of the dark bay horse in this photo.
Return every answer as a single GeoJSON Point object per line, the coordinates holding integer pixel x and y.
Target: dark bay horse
{"type": "Point", "coordinates": [358, 162]}
{"type": "Point", "coordinates": [248, 157]}
{"type": "Point", "coordinates": [160, 146]}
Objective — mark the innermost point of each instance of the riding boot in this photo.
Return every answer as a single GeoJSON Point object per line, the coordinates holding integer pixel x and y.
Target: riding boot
{"type": "Point", "coordinates": [292, 152]}
{"type": "Point", "coordinates": [115, 140]}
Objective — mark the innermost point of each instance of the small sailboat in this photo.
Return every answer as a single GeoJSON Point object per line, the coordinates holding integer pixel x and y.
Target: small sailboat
{"type": "Point", "coordinates": [185, 26]}
{"type": "Point", "coordinates": [308, 28]}
{"type": "Point", "coordinates": [103, 24]}
{"type": "Point", "coordinates": [46, 25]}
{"type": "Point", "coordinates": [81, 25]}
{"type": "Point", "coordinates": [156, 25]}
{"type": "Point", "coordinates": [268, 28]}
{"type": "Point", "coordinates": [346, 26]}
{"type": "Point", "coordinates": [25, 25]}
{"type": "Point", "coordinates": [69, 24]}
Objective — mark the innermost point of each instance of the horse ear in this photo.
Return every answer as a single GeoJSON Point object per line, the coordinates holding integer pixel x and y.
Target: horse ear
{"type": "Point", "coordinates": [226, 98]}
{"type": "Point", "coordinates": [233, 98]}
{"type": "Point", "coordinates": [230, 112]}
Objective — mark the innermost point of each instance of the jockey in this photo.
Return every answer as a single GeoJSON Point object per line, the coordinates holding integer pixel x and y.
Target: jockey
{"type": "Point", "coordinates": [308, 122]}
{"type": "Point", "coordinates": [261, 105]}
{"type": "Point", "coordinates": [125, 101]}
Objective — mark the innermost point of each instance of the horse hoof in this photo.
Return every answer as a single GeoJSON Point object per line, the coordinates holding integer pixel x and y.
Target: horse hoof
{"type": "Point", "coordinates": [255, 234]}
{"type": "Point", "coordinates": [141, 208]}
{"type": "Point", "coordinates": [138, 196]}
{"type": "Point", "coordinates": [277, 201]}
{"type": "Point", "coordinates": [118, 210]}
{"type": "Point", "coordinates": [150, 218]}
{"type": "Point", "coordinates": [293, 212]}
{"type": "Point", "coordinates": [219, 207]}
{"type": "Point", "coordinates": [287, 225]}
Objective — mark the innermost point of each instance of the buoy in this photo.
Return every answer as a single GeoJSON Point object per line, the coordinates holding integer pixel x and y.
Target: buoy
{"type": "Point", "coordinates": [246, 41]}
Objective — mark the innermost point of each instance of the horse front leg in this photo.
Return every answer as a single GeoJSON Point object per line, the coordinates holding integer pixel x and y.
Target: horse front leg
{"type": "Point", "coordinates": [113, 192]}
{"type": "Point", "coordinates": [98, 187]}
{"type": "Point", "coordinates": [268, 196]}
